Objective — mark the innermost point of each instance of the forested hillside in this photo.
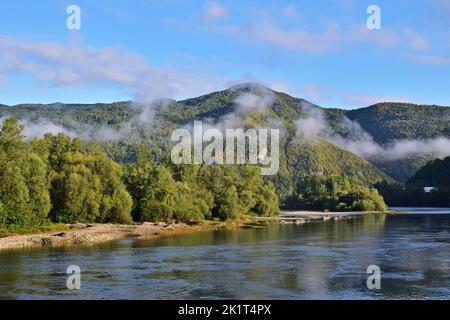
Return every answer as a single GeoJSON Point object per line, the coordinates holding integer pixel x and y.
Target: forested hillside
{"type": "Point", "coordinates": [392, 121]}
{"type": "Point", "coordinates": [435, 174]}
{"type": "Point", "coordinates": [130, 124]}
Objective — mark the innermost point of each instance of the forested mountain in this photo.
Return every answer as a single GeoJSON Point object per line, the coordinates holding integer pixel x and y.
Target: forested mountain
{"type": "Point", "coordinates": [435, 174]}
{"type": "Point", "coordinates": [392, 121]}
{"type": "Point", "coordinates": [132, 123]}
{"type": "Point", "coordinates": [401, 169]}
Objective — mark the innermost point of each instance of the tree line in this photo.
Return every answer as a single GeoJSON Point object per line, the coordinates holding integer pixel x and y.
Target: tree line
{"type": "Point", "coordinates": [335, 193]}
{"type": "Point", "coordinates": [435, 174]}
{"type": "Point", "coordinates": [57, 178]}
{"type": "Point", "coordinates": [61, 179]}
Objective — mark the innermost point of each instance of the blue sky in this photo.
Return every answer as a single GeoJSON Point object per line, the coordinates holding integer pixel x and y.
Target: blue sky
{"type": "Point", "coordinates": [147, 49]}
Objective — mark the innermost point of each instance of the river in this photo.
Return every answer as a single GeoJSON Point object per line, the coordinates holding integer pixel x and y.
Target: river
{"type": "Point", "coordinates": [321, 260]}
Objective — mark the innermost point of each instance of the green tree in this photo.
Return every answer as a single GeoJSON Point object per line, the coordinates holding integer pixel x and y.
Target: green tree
{"type": "Point", "coordinates": [15, 196]}
{"type": "Point", "coordinates": [116, 203]}
{"type": "Point", "coordinates": [228, 204]}
{"type": "Point", "coordinates": [77, 192]}
{"type": "Point", "coordinates": [267, 203]}
{"type": "Point", "coordinates": [36, 178]}
{"type": "Point", "coordinates": [14, 192]}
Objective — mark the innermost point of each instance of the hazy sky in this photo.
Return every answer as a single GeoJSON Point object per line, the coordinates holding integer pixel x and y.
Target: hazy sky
{"type": "Point", "coordinates": [145, 49]}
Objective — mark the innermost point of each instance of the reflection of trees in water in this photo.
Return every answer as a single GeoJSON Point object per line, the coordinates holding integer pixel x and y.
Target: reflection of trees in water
{"type": "Point", "coordinates": [347, 229]}
{"type": "Point", "coordinates": [10, 274]}
{"type": "Point", "coordinates": [314, 260]}
{"type": "Point", "coordinates": [31, 272]}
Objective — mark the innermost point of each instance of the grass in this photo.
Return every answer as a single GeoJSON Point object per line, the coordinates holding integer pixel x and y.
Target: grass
{"type": "Point", "coordinates": [48, 227]}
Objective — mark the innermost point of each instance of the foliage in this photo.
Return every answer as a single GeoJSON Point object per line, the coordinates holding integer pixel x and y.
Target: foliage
{"type": "Point", "coordinates": [53, 177]}
{"type": "Point", "coordinates": [336, 193]}
{"type": "Point", "coordinates": [193, 193]}
{"type": "Point", "coordinates": [67, 179]}
{"type": "Point", "coordinates": [435, 173]}
{"type": "Point", "coordinates": [295, 159]}
{"type": "Point", "coordinates": [397, 195]}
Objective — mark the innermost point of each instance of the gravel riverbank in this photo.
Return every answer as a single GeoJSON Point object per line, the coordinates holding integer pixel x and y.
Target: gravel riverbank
{"type": "Point", "coordinates": [86, 234]}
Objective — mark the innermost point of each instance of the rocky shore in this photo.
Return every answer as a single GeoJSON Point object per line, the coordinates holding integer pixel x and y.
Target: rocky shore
{"type": "Point", "coordinates": [87, 234]}
{"type": "Point", "coordinates": [82, 234]}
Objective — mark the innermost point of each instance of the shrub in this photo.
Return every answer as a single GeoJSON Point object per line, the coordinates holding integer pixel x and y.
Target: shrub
{"type": "Point", "coordinates": [153, 211]}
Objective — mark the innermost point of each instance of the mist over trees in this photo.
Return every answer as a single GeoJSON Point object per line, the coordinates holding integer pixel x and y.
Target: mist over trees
{"type": "Point", "coordinates": [53, 178]}
{"type": "Point", "coordinates": [60, 179]}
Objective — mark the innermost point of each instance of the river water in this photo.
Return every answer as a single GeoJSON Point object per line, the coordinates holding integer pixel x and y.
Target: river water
{"type": "Point", "coordinates": [322, 260]}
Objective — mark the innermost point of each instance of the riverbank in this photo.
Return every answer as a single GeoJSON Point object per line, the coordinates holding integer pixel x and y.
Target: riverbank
{"type": "Point", "coordinates": [301, 217]}
{"type": "Point", "coordinates": [85, 234]}
{"type": "Point", "coordinates": [88, 234]}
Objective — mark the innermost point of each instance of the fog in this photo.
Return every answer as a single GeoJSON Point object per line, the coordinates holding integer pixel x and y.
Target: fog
{"type": "Point", "coordinates": [360, 142]}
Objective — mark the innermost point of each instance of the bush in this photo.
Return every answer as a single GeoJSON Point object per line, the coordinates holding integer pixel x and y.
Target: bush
{"type": "Point", "coordinates": [192, 204]}
{"type": "Point", "coordinates": [228, 204]}
{"type": "Point", "coordinates": [153, 211]}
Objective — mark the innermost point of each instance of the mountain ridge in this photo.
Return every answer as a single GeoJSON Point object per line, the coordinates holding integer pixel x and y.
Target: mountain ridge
{"type": "Point", "coordinates": [385, 122]}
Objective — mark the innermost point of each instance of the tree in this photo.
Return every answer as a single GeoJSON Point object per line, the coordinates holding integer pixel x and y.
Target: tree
{"type": "Point", "coordinates": [3, 216]}
{"type": "Point", "coordinates": [192, 203]}
{"type": "Point", "coordinates": [336, 193]}
{"type": "Point", "coordinates": [36, 179]}
{"type": "Point", "coordinates": [12, 147]}
{"type": "Point", "coordinates": [152, 211]}
{"type": "Point", "coordinates": [228, 204]}
{"type": "Point", "coordinates": [15, 196]}
{"type": "Point", "coordinates": [14, 193]}
{"type": "Point", "coordinates": [76, 192]}
{"type": "Point", "coordinates": [116, 203]}
{"type": "Point", "coordinates": [267, 203]}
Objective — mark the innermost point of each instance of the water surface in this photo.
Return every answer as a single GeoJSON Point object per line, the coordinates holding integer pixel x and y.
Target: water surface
{"type": "Point", "coordinates": [323, 260]}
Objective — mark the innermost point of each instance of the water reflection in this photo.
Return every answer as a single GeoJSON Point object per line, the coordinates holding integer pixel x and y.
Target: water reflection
{"type": "Point", "coordinates": [311, 261]}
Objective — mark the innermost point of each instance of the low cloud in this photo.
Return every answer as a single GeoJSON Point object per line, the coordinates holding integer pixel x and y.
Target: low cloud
{"type": "Point", "coordinates": [257, 99]}
{"type": "Point", "coordinates": [314, 125]}
{"type": "Point", "coordinates": [253, 97]}
{"type": "Point", "coordinates": [142, 121]}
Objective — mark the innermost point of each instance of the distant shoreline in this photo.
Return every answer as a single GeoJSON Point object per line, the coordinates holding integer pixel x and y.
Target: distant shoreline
{"type": "Point", "coordinates": [89, 234]}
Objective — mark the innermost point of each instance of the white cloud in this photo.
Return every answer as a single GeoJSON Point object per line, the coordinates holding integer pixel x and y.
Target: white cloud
{"type": "Point", "coordinates": [214, 12]}
{"type": "Point", "coordinates": [314, 125]}
{"type": "Point", "coordinates": [327, 36]}
{"type": "Point", "coordinates": [75, 65]}
{"type": "Point", "coordinates": [291, 39]}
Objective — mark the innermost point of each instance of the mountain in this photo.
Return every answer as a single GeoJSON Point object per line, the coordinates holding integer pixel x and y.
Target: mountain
{"type": "Point", "coordinates": [325, 158]}
{"type": "Point", "coordinates": [385, 122]}
{"type": "Point", "coordinates": [401, 169]}
{"type": "Point", "coordinates": [435, 173]}
{"type": "Point", "coordinates": [390, 122]}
